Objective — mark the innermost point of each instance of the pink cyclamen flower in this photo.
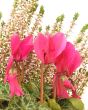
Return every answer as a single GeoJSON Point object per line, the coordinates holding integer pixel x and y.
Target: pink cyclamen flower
{"type": "Point", "coordinates": [15, 88]}
{"type": "Point", "coordinates": [19, 50]}
{"type": "Point", "coordinates": [68, 61]}
{"type": "Point", "coordinates": [48, 47]}
{"type": "Point", "coordinates": [62, 86]}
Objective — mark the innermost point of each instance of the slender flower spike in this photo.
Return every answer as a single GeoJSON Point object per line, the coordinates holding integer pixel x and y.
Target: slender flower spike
{"type": "Point", "coordinates": [19, 49]}
{"type": "Point", "coordinates": [15, 88]}
{"type": "Point", "coordinates": [68, 61]}
{"type": "Point", "coordinates": [48, 47]}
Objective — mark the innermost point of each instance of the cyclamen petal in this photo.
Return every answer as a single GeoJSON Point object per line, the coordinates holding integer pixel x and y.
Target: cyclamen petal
{"type": "Point", "coordinates": [15, 43]}
{"type": "Point", "coordinates": [61, 87]}
{"type": "Point", "coordinates": [58, 85]}
{"type": "Point", "coordinates": [15, 88]}
{"type": "Point", "coordinates": [26, 46]}
{"type": "Point", "coordinates": [76, 62]}
{"type": "Point", "coordinates": [68, 85]}
{"type": "Point", "coordinates": [68, 61]}
{"type": "Point", "coordinates": [9, 65]}
{"type": "Point", "coordinates": [74, 94]}
{"type": "Point", "coordinates": [41, 46]}
{"type": "Point", "coordinates": [48, 47]}
{"type": "Point", "coordinates": [21, 48]}
{"type": "Point", "coordinates": [59, 41]}
{"type": "Point", "coordinates": [61, 90]}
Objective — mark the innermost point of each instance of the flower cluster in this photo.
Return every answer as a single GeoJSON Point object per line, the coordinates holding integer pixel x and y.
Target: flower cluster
{"type": "Point", "coordinates": [50, 49]}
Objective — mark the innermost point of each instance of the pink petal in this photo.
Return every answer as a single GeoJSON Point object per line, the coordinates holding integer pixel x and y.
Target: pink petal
{"type": "Point", "coordinates": [48, 47]}
{"type": "Point", "coordinates": [66, 57]}
{"type": "Point", "coordinates": [15, 43]}
{"type": "Point", "coordinates": [74, 94]}
{"type": "Point", "coordinates": [65, 61]}
{"type": "Point", "coordinates": [14, 85]}
{"type": "Point", "coordinates": [76, 62]}
{"type": "Point", "coordinates": [19, 91]}
{"type": "Point", "coordinates": [59, 42]}
{"type": "Point", "coordinates": [11, 85]}
{"type": "Point", "coordinates": [68, 85]}
{"type": "Point", "coordinates": [26, 46]}
{"type": "Point", "coordinates": [41, 46]}
{"type": "Point", "coordinates": [12, 89]}
{"type": "Point", "coordinates": [61, 92]}
{"type": "Point", "coordinates": [9, 65]}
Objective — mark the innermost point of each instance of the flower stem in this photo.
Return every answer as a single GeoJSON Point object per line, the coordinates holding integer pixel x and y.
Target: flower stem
{"type": "Point", "coordinates": [41, 85]}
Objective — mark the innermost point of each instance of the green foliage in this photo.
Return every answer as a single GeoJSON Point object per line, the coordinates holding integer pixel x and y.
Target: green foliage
{"type": "Point", "coordinates": [34, 8]}
{"type": "Point", "coordinates": [44, 106]}
{"type": "Point", "coordinates": [65, 104]}
{"type": "Point", "coordinates": [4, 95]}
{"type": "Point", "coordinates": [47, 28]}
{"type": "Point", "coordinates": [40, 29]}
{"type": "Point", "coordinates": [32, 89]}
{"type": "Point", "coordinates": [77, 103]}
{"type": "Point", "coordinates": [41, 10]}
{"type": "Point", "coordinates": [60, 18]}
{"type": "Point", "coordinates": [53, 104]}
{"type": "Point", "coordinates": [75, 17]}
{"type": "Point", "coordinates": [79, 40]}
{"type": "Point", "coordinates": [15, 3]}
{"type": "Point", "coordinates": [30, 100]}
{"type": "Point", "coordinates": [84, 28]}
{"type": "Point", "coordinates": [4, 91]}
{"type": "Point", "coordinates": [26, 102]}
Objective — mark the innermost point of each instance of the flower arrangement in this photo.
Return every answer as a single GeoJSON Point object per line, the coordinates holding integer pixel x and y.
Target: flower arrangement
{"type": "Point", "coordinates": [40, 68]}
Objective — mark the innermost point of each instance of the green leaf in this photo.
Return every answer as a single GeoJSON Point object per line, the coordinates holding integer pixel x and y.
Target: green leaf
{"type": "Point", "coordinates": [65, 104]}
{"type": "Point", "coordinates": [77, 103]}
{"type": "Point", "coordinates": [53, 104]}
{"type": "Point", "coordinates": [44, 106]}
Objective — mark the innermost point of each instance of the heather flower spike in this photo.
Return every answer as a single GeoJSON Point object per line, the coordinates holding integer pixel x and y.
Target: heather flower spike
{"type": "Point", "coordinates": [48, 47]}
{"type": "Point", "coordinates": [68, 61]}
{"type": "Point", "coordinates": [14, 86]}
